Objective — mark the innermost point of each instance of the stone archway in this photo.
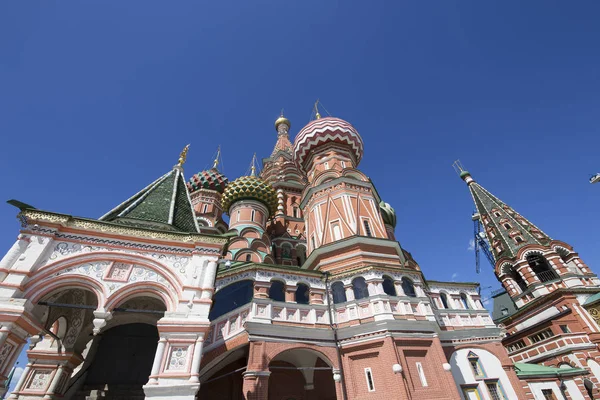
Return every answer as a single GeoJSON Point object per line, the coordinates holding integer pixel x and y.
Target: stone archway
{"type": "Point", "coordinates": [224, 379]}
{"type": "Point", "coordinates": [301, 374]}
{"type": "Point", "coordinates": [118, 361]}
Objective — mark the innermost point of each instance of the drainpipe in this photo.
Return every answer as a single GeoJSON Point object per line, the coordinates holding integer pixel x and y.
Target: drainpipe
{"type": "Point", "coordinates": [335, 339]}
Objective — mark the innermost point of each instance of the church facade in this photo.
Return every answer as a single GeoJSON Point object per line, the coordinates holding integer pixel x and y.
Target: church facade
{"type": "Point", "coordinates": [304, 294]}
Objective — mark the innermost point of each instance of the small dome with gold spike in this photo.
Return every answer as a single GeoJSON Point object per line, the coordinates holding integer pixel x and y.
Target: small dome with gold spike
{"type": "Point", "coordinates": [282, 120]}
{"type": "Point", "coordinates": [250, 188]}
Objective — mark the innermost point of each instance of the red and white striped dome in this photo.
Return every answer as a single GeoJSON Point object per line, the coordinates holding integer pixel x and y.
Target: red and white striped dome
{"type": "Point", "coordinates": [326, 130]}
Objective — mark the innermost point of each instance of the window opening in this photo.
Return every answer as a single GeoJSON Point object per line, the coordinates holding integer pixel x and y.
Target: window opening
{"type": "Point", "coordinates": [312, 242]}
{"type": "Point", "coordinates": [548, 394]}
{"type": "Point", "coordinates": [277, 291]}
{"type": "Point", "coordinates": [248, 257]}
{"type": "Point", "coordinates": [421, 374]}
{"type": "Point", "coordinates": [464, 301]}
{"type": "Point", "coordinates": [326, 165]}
{"type": "Point", "coordinates": [388, 286]}
{"type": "Point", "coordinates": [541, 268]}
{"type": "Point", "coordinates": [339, 293]}
{"type": "Point", "coordinates": [495, 392]}
{"type": "Point", "coordinates": [343, 164]}
{"type": "Point", "coordinates": [359, 286]}
{"type": "Point", "coordinates": [302, 294]}
{"type": "Point", "coordinates": [408, 287]}
{"type": "Point", "coordinates": [367, 228]}
{"type": "Point", "coordinates": [295, 211]}
{"type": "Point", "coordinates": [565, 328]}
{"type": "Point", "coordinates": [252, 215]}
{"type": "Point", "coordinates": [369, 376]}
{"type": "Point", "coordinates": [516, 346]}
{"type": "Point", "coordinates": [444, 300]}
{"type": "Point", "coordinates": [543, 335]}
{"type": "Point", "coordinates": [507, 226]}
{"type": "Point", "coordinates": [205, 209]}
{"type": "Point", "coordinates": [337, 232]}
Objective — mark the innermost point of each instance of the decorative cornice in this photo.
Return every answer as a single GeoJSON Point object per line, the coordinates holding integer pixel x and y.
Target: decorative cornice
{"type": "Point", "coordinates": [32, 216]}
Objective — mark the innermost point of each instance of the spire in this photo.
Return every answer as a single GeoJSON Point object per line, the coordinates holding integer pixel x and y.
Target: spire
{"type": "Point", "coordinates": [183, 156]}
{"type": "Point", "coordinates": [253, 166]}
{"type": "Point", "coordinates": [216, 162]}
{"type": "Point", "coordinates": [317, 115]}
{"type": "Point", "coordinates": [282, 125]}
{"type": "Point", "coordinates": [506, 230]}
{"type": "Point", "coordinates": [165, 204]}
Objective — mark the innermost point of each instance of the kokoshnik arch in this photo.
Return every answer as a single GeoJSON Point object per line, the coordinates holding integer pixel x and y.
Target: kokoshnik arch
{"type": "Point", "coordinates": [304, 294]}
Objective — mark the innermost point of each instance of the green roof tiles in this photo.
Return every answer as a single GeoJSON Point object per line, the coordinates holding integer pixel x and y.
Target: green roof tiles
{"type": "Point", "coordinates": [164, 205]}
{"type": "Point", "coordinates": [525, 370]}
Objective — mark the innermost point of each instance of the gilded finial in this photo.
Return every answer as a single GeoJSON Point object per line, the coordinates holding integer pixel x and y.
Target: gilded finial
{"type": "Point", "coordinates": [317, 115]}
{"type": "Point", "coordinates": [253, 167]}
{"type": "Point", "coordinates": [183, 155]}
{"type": "Point", "coordinates": [216, 162]}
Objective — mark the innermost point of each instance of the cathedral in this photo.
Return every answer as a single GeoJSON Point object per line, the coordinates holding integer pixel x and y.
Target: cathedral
{"type": "Point", "coordinates": [287, 284]}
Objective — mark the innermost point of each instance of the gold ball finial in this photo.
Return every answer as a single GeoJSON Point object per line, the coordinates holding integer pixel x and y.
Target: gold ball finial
{"type": "Point", "coordinates": [282, 120]}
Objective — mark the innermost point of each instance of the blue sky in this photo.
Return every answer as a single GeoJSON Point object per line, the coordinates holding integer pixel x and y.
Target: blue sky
{"type": "Point", "coordinates": [97, 99]}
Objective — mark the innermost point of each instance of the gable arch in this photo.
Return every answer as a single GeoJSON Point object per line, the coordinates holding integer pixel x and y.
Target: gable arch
{"type": "Point", "coordinates": [149, 289]}
{"type": "Point", "coordinates": [37, 292]}
{"type": "Point", "coordinates": [529, 249]}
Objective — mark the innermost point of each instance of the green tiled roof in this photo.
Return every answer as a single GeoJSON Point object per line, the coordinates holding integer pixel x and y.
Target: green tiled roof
{"type": "Point", "coordinates": [526, 370]}
{"type": "Point", "coordinates": [489, 205]}
{"type": "Point", "coordinates": [164, 204]}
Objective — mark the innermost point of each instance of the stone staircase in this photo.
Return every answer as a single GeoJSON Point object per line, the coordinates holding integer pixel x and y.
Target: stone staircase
{"type": "Point", "coordinates": [109, 392]}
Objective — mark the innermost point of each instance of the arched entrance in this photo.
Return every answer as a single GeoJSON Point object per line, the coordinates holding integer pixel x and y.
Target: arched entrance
{"type": "Point", "coordinates": [301, 374]}
{"type": "Point", "coordinates": [118, 361]}
{"type": "Point", "coordinates": [224, 379]}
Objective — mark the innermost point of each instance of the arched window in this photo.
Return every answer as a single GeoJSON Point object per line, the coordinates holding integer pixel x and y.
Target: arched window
{"type": "Point", "coordinates": [388, 286]}
{"type": "Point", "coordinates": [339, 292]}
{"type": "Point", "coordinates": [516, 276]}
{"type": "Point", "coordinates": [464, 300]}
{"type": "Point", "coordinates": [541, 268]}
{"type": "Point", "coordinates": [444, 299]}
{"type": "Point", "coordinates": [286, 250]}
{"type": "Point", "coordinates": [231, 297]}
{"type": "Point", "coordinates": [507, 227]}
{"type": "Point", "coordinates": [408, 287]}
{"type": "Point", "coordinates": [296, 212]}
{"type": "Point", "coordinates": [277, 291]}
{"type": "Point", "coordinates": [302, 294]}
{"type": "Point", "coordinates": [589, 387]}
{"type": "Point", "coordinates": [248, 257]}
{"type": "Point", "coordinates": [359, 285]}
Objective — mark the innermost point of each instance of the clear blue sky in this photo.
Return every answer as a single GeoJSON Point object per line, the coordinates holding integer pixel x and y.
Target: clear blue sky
{"type": "Point", "coordinates": [97, 99]}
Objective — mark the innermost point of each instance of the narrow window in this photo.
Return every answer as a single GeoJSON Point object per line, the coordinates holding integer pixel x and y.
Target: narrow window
{"type": "Point", "coordinates": [238, 216]}
{"type": "Point", "coordinates": [312, 242]}
{"type": "Point", "coordinates": [444, 299]}
{"type": "Point", "coordinates": [326, 165]}
{"type": "Point", "coordinates": [367, 228]}
{"type": "Point", "coordinates": [205, 209]}
{"type": "Point", "coordinates": [388, 286]}
{"type": "Point", "coordinates": [369, 376]}
{"type": "Point", "coordinates": [248, 257]}
{"type": "Point", "coordinates": [543, 335]}
{"type": "Point", "coordinates": [495, 392]}
{"type": "Point", "coordinates": [507, 226]}
{"type": "Point", "coordinates": [252, 215]}
{"type": "Point", "coordinates": [343, 164]}
{"type": "Point", "coordinates": [519, 239]}
{"type": "Point", "coordinates": [337, 232]}
{"type": "Point", "coordinates": [295, 212]}
{"type": "Point", "coordinates": [276, 291]}
{"type": "Point", "coordinates": [565, 329]}
{"type": "Point", "coordinates": [475, 366]}
{"type": "Point", "coordinates": [359, 285]}
{"type": "Point", "coordinates": [497, 214]}
{"type": "Point", "coordinates": [421, 374]}
{"type": "Point", "coordinates": [548, 394]}
{"type": "Point", "coordinates": [408, 287]}
{"type": "Point", "coordinates": [302, 294]}
{"type": "Point", "coordinates": [464, 301]}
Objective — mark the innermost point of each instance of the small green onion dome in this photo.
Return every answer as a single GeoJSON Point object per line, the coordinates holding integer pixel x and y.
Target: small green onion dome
{"type": "Point", "coordinates": [388, 214]}
{"type": "Point", "coordinates": [250, 188]}
{"type": "Point", "coordinates": [464, 174]}
{"type": "Point", "coordinates": [211, 179]}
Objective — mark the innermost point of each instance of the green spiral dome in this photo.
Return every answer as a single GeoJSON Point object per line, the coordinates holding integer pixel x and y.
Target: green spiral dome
{"type": "Point", "coordinates": [250, 188]}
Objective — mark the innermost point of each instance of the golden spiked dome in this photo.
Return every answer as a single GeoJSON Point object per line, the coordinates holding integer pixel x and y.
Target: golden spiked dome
{"type": "Point", "coordinates": [250, 188]}
{"type": "Point", "coordinates": [282, 120]}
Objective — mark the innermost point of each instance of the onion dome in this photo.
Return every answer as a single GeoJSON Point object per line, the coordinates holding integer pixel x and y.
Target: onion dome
{"type": "Point", "coordinates": [388, 214]}
{"type": "Point", "coordinates": [323, 131]}
{"type": "Point", "coordinates": [250, 188]}
{"type": "Point", "coordinates": [211, 179]}
{"type": "Point", "coordinates": [282, 120]}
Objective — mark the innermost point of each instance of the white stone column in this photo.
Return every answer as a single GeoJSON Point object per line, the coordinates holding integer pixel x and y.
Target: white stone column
{"type": "Point", "coordinates": [349, 293]}
{"type": "Point", "coordinates": [209, 280]}
{"type": "Point", "coordinates": [372, 288]}
{"type": "Point", "coordinates": [160, 351]}
{"type": "Point", "coordinates": [54, 383]}
{"type": "Point", "coordinates": [21, 382]}
{"type": "Point", "coordinates": [399, 288]}
{"type": "Point", "coordinates": [196, 358]}
{"type": "Point", "coordinates": [15, 251]}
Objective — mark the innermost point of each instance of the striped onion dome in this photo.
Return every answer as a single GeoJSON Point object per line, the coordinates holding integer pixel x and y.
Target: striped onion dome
{"type": "Point", "coordinates": [388, 214]}
{"type": "Point", "coordinates": [211, 179]}
{"type": "Point", "coordinates": [250, 188]}
{"type": "Point", "coordinates": [323, 131]}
